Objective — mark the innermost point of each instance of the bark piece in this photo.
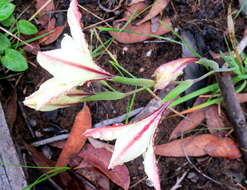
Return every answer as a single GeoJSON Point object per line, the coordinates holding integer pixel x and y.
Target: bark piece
{"type": "Point", "coordinates": [11, 177]}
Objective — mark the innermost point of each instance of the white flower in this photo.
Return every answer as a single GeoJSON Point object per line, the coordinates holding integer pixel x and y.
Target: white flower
{"type": "Point", "coordinates": [133, 140]}
{"type": "Point", "coordinates": [169, 72]}
{"type": "Point", "coordinates": [71, 66]}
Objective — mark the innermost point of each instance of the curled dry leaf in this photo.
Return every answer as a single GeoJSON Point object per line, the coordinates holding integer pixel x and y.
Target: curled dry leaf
{"type": "Point", "coordinates": [131, 11]}
{"type": "Point", "coordinates": [100, 159]}
{"type": "Point", "coordinates": [199, 146]}
{"type": "Point", "coordinates": [141, 32]}
{"type": "Point", "coordinates": [53, 36]}
{"type": "Point", "coordinates": [157, 7]}
{"type": "Point", "coordinates": [94, 176]}
{"type": "Point", "coordinates": [191, 121]}
{"type": "Point", "coordinates": [215, 121]}
{"type": "Point", "coordinates": [76, 140]}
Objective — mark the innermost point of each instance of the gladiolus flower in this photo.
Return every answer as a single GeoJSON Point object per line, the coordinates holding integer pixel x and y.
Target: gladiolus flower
{"type": "Point", "coordinates": [169, 72]}
{"type": "Point", "coordinates": [71, 66]}
{"type": "Point", "coordinates": [133, 140]}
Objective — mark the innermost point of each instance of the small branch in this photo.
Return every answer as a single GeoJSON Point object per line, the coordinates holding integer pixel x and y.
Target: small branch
{"type": "Point", "coordinates": [234, 111]}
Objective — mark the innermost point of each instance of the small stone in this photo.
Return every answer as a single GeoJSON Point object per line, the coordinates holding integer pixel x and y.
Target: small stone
{"type": "Point", "coordinates": [149, 53]}
{"type": "Point", "coordinates": [46, 150]}
{"type": "Point", "coordinates": [38, 134]}
{"type": "Point", "coordinates": [33, 122]}
{"type": "Point", "coordinates": [193, 177]}
{"type": "Point", "coordinates": [149, 183]}
{"type": "Point", "coordinates": [141, 69]}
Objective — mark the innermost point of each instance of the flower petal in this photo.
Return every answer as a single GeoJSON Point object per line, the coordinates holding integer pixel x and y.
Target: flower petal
{"type": "Point", "coordinates": [53, 95]}
{"type": "Point", "coordinates": [107, 133]}
{"type": "Point", "coordinates": [150, 166]}
{"type": "Point", "coordinates": [132, 139]}
{"type": "Point", "coordinates": [74, 20]}
{"type": "Point", "coordinates": [168, 72]}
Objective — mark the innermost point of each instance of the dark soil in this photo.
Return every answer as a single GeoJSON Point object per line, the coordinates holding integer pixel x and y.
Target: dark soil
{"type": "Point", "coordinates": [205, 17]}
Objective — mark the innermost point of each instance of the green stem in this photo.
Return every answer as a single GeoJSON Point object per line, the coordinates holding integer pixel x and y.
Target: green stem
{"type": "Point", "coordinates": [133, 81]}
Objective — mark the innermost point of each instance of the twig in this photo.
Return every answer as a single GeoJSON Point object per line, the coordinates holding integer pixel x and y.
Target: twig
{"type": "Point", "coordinates": [234, 111]}
{"type": "Point", "coordinates": [118, 119]}
{"type": "Point", "coordinates": [50, 140]}
{"type": "Point", "coordinates": [178, 182]}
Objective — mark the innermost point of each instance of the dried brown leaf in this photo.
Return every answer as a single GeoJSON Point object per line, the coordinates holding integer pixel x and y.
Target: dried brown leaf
{"type": "Point", "coordinates": [131, 11]}
{"type": "Point", "coordinates": [191, 121]}
{"type": "Point", "coordinates": [53, 36]}
{"type": "Point", "coordinates": [100, 159]}
{"type": "Point", "coordinates": [76, 140]}
{"type": "Point", "coordinates": [242, 97]}
{"type": "Point", "coordinates": [39, 158]}
{"type": "Point", "coordinates": [199, 146]}
{"type": "Point", "coordinates": [215, 121]}
{"type": "Point", "coordinates": [129, 38]}
{"type": "Point", "coordinates": [34, 48]}
{"type": "Point", "coordinates": [157, 7]}
{"type": "Point", "coordinates": [94, 176]}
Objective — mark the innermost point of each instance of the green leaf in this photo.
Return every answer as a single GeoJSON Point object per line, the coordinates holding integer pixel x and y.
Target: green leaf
{"type": "Point", "coordinates": [6, 9]}
{"type": "Point", "coordinates": [26, 27]}
{"type": "Point", "coordinates": [9, 21]}
{"type": "Point", "coordinates": [14, 60]}
{"type": "Point", "coordinates": [178, 90]}
{"type": "Point", "coordinates": [105, 96]}
{"type": "Point", "coordinates": [4, 42]}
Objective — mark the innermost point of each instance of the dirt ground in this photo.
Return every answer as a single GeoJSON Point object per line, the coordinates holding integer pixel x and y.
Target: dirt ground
{"type": "Point", "coordinates": [207, 18]}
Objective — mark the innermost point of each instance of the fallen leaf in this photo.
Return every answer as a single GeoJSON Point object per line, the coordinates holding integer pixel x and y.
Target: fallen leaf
{"type": "Point", "coordinates": [215, 121]}
{"type": "Point", "coordinates": [76, 140]}
{"type": "Point", "coordinates": [94, 176]}
{"type": "Point", "coordinates": [45, 12]}
{"type": "Point", "coordinates": [242, 97]}
{"type": "Point", "coordinates": [39, 158]}
{"type": "Point", "coordinates": [11, 109]}
{"type": "Point", "coordinates": [141, 32]}
{"type": "Point", "coordinates": [191, 121]}
{"type": "Point", "coordinates": [157, 7]}
{"type": "Point", "coordinates": [63, 179]}
{"type": "Point", "coordinates": [135, 1]}
{"type": "Point", "coordinates": [100, 144]}
{"type": "Point", "coordinates": [100, 159]}
{"type": "Point", "coordinates": [53, 36]}
{"type": "Point", "coordinates": [132, 10]}
{"type": "Point", "coordinates": [34, 48]}
{"type": "Point", "coordinates": [199, 146]}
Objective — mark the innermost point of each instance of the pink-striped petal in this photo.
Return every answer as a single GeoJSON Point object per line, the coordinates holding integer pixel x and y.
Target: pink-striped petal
{"type": "Point", "coordinates": [150, 166]}
{"type": "Point", "coordinates": [132, 139]}
{"type": "Point", "coordinates": [53, 95]}
{"type": "Point", "coordinates": [168, 72]}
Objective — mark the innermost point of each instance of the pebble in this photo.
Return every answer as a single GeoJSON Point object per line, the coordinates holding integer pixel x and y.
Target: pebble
{"type": "Point", "coordinates": [149, 53]}
{"type": "Point", "coordinates": [192, 176]}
